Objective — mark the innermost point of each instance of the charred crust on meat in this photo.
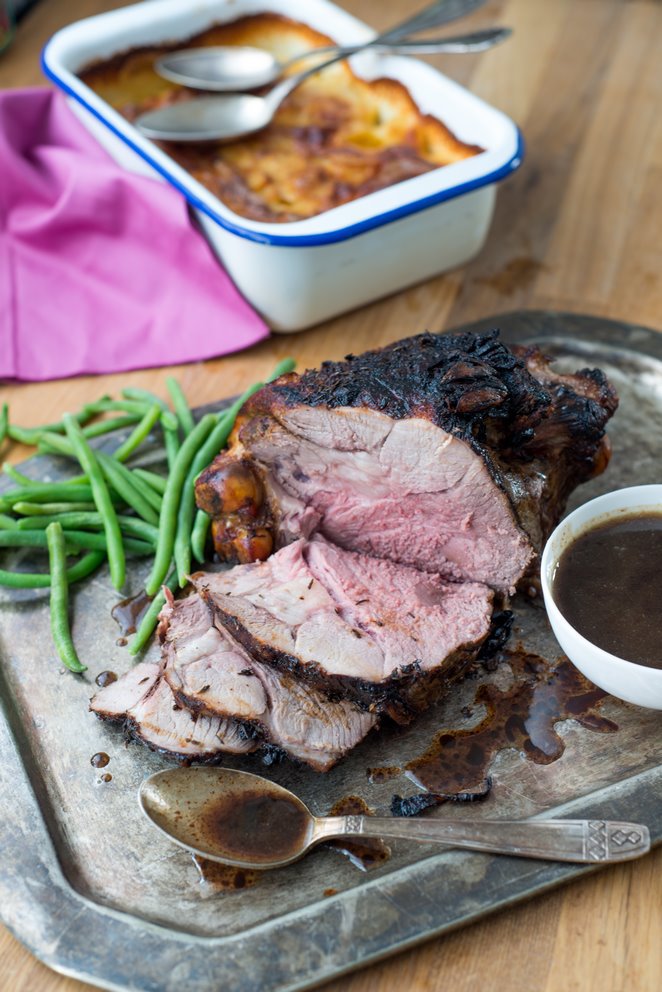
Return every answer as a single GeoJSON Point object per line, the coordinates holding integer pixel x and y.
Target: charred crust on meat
{"type": "Point", "coordinates": [132, 731]}
{"type": "Point", "coordinates": [500, 628]}
{"type": "Point", "coordinates": [522, 418]}
{"type": "Point", "coordinates": [272, 755]}
{"type": "Point", "coordinates": [457, 381]}
{"type": "Point", "coordinates": [407, 691]}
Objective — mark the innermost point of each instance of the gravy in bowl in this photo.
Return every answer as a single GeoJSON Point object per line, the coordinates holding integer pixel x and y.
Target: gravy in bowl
{"type": "Point", "coordinates": [608, 586]}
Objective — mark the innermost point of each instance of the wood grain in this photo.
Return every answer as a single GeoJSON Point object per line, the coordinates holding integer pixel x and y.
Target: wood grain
{"type": "Point", "coordinates": [577, 228]}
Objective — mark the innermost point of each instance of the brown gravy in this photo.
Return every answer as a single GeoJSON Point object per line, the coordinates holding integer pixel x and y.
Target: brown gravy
{"type": "Point", "coordinates": [254, 826]}
{"type": "Point", "coordinates": [215, 877]}
{"type": "Point", "coordinates": [456, 764]}
{"type": "Point", "coordinates": [129, 612]}
{"type": "Point", "coordinates": [608, 585]}
{"type": "Point", "coordinates": [363, 852]}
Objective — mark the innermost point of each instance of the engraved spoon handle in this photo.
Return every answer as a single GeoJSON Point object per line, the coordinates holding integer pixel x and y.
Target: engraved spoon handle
{"type": "Point", "coordinates": [585, 841]}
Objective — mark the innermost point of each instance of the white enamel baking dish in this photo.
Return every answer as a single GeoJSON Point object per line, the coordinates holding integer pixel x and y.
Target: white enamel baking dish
{"type": "Point", "coordinates": [297, 274]}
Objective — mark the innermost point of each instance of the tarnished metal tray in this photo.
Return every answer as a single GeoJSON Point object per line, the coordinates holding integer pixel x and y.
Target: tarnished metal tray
{"type": "Point", "coordinates": [95, 892]}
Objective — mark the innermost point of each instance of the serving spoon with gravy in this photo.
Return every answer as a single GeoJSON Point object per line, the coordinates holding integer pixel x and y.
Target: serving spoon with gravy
{"type": "Point", "coordinates": [247, 821]}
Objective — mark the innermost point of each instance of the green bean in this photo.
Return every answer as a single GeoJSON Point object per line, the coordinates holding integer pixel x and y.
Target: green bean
{"type": "Point", "coordinates": [25, 480]}
{"type": "Point", "coordinates": [112, 424]}
{"type": "Point", "coordinates": [182, 409]}
{"type": "Point", "coordinates": [171, 501]}
{"type": "Point", "coordinates": [26, 509]}
{"type": "Point", "coordinates": [144, 396]}
{"type": "Point", "coordinates": [101, 496]}
{"type": "Point", "coordinates": [95, 541]}
{"type": "Point", "coordinates": [60, 628]}
{"type": "Point", "coordinates": [30, 435]}
{"type": "Point", "coordinates": [171, 440]}
{"type": "Point", "coordinates": [199, 535]}
{"type": "Point", "coordinates": [16, 476]}
{"type": "Point", "coordinates": [107, 405]}
{"type": "Point", "coordinates": [4, 422]}
{"type": "Point", "coordinates": [139, 434]}
{"type": "Point", "coordinates": [287, 365]}
{"type": "Point", "coordinates": [119, 477]}
{"type": "Point", "coordinates": [121, 480]}
{"type": "Point", "coordinates": [7, 523]}
{"type": "Point", "coordinates": [182, 545]}
{"type": "Point", "coordinates": [157, 482]}
{"type": "Point", "coordinates": [148, 622]}
{"type": "Point", "coordinates": [149, 494]}
{"type": "Point", "coordinates": [92, 521]}
{"type": "Point", "coordinates": [169, 421]}
{"type": "Point", "coordinates": [32, 539]}
{"type": "Point", "coordinates": [52, 443]}
{"type": "Point", "coordinates": [75, 540]}
{"type": "Point", "coordinates": [29, 580]}
{"type": "Point", "coordinates": [51, 493]}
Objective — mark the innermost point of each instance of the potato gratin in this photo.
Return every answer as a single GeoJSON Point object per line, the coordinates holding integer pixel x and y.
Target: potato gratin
{"type": "Point", "coordinates": [336, 138]}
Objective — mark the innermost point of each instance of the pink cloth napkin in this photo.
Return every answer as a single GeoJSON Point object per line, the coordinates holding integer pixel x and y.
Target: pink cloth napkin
{"type": "Point", "coordinates": [100, 270]}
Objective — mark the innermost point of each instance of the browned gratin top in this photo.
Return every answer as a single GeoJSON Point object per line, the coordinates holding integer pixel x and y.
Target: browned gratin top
{"type": "Point", "coordinates": [336, 138]}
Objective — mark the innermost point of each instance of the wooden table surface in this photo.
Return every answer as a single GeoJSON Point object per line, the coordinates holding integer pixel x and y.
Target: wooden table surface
{"type": "Point", "coordinates": [577, 228]}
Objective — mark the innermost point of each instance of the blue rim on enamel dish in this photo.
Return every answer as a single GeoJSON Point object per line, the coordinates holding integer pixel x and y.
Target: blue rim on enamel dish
{"type": "Point", "coordinates": [295, 240]}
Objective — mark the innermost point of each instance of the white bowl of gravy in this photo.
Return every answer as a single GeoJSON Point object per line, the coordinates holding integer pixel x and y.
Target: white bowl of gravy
{"type": "Point", "coordinates": [601, 574]}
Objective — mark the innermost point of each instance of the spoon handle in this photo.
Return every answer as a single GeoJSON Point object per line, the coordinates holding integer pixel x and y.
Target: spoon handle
{"type": "Point", "coordinates": [585, 841]}
{"type": "Point", "coordinates": [431, 16]}
{"type": "Point", "coordinates": [475, 41]}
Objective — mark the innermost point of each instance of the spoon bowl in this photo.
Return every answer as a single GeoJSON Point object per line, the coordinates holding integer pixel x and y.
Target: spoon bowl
{"type": "Point", "coordinates": [247, 821]}
{"type": "Point", "coordinates": [220, 67]}
{"type": "Point", "coordinates": [233, 817]}
{"type": "Point", "coordinates": [207, 119]}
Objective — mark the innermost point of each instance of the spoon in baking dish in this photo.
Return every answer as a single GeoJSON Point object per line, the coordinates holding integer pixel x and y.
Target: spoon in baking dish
{"type": "Point", "coordinates": [231, 116]}
{"type": "Point", "coordinates": [234, 115]}
{"type": "Point", "coordinates": [247, 821]}
{"type": "Point", "coordinates": [224, 69]}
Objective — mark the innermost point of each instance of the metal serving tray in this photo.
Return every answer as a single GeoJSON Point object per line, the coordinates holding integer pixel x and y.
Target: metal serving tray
{"type": "Point", "coordinates": [95, 892]}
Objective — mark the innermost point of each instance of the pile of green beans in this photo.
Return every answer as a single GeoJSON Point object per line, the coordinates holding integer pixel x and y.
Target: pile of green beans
{"type": "Point", "coordinates": [110, 510]}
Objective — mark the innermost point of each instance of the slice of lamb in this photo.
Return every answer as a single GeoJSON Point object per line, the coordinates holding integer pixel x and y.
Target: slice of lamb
{"type": "Point", "coordinates": [368, 630]}
{"type": "Point", "coordinates": [144, 700]}
{"type": "Point", "coordinates": [117, 699]}
{"type": "Point", "coordinates": [210, 672]}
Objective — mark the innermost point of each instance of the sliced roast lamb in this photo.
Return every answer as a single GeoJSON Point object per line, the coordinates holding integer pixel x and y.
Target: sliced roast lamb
{"type": "Point", "coordinates": [384, 635]}
{"type": "Point", "coordinates": [144, 702]}
{"type": "Point", "coordinates": [453, 454]}
{"type": "Point", "coordinates": [208, 697]}
{"type": "Point", "coordinates": [208, 671]}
